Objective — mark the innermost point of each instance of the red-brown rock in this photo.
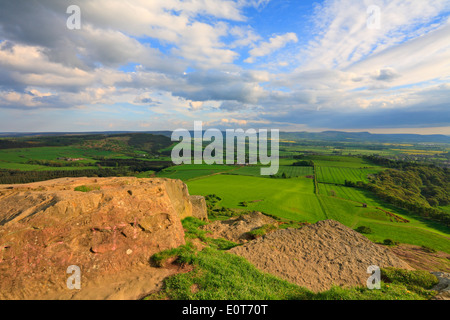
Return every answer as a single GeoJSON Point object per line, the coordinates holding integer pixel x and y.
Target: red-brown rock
{"type": "Point", "coordinates": [46, 227]}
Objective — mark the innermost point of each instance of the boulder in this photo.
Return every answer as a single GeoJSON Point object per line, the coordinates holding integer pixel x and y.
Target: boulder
{"type": "Point", "coordinates": [105, 226]}
{"type": "Point", "coordinates": [199, 209]}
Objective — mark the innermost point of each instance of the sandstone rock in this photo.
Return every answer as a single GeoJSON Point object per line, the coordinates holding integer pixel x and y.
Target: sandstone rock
{"type": "Point", "coordinates": [443, 287]}
{"type": "Point", "coordinates": [318, 256]}
{"type": "Point", "coordinates": [236, 229]}
{"type": "Point", "coordinates": [46, 227]}
{"type": "Point", "coordinates": [199, 209]}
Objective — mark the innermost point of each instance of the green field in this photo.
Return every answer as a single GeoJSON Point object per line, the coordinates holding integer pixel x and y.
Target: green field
{"type": "Point", "coordinates": [294, 199]}
{"type": "Point", "coordinates": [16, 159]}
{"type": "Point", "coordinates": [347, 193]}
{"type": "Point", "coordinates": [341, 161]}
{"type": "Point", "coordinates": [192, 171]}
{"type": "Point", "coordinates": [338, 175]}
{"type": "Point", "coordinates": [290, 171]}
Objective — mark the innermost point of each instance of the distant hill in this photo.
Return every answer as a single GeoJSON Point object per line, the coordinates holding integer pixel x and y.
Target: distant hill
{"type": "Point", "coordinates": [126, 142]}
{"type": "Point", "coordinates": [365, 137]}
{"type": "Point", "coordinates": [323, 136]}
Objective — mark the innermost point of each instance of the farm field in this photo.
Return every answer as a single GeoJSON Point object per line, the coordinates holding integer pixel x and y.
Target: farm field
{"type": "Point", "coordinates": [417, 231]}
{"type": "Point", "coordinates": [192, 171]}
{"type": "Point", "coordinates": [33, 167]}
{"type": "Point", "coordinates": [341, 161]}
{"type": "Point", "coordinates": [338, 175]}
{"type": "Point", "coordinates": [290, 171]}
{"type": "Point", "coordinates": [294, 199]}
{"type": "Point", "coordinates": [353, 194]}
{"type": "Point", "coordinates": [9, 157]}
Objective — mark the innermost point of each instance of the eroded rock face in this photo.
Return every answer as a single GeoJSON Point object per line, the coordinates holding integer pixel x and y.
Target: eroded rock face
{"type": "Point", "coordinates": [199, 209]}
{"type": "Point", "coordinates": [116, 224]}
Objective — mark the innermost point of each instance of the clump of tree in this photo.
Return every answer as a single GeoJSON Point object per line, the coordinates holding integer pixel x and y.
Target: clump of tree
{"type": "Point", "coordinates": [59, 164]}
{"type": "Point", "coordinates": [304, 163]}
{"type": "Point", "coordinates": [135, 164]}
{"type": "Point", "coordinates": [17, 176]}
{"type": "Point", "coordinates": [390, 242]}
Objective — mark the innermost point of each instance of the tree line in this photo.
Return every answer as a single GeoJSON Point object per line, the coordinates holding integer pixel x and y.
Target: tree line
{"type": "Point", "coordinates": [17, 176]}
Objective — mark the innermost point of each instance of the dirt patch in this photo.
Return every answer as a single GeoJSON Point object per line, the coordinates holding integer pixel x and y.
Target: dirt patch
{"type": "Point", "coordinates": [420, 259]}
{"type": "Point", "coordinates": [318, 256]}
{"type": "Point", "coordinates": [236, 229]}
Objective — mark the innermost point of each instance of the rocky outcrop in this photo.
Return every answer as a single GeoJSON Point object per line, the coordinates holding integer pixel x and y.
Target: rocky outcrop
{"type": "Point", "coordinates": [236, 229]}
{"type": "Point", "coordinates": [105, 226]}
{"type": "Point", "coordinates": [318, 256]}
{"type": "Point", "coordinates": [443, 287]}
{"type": "Point", "coordinates": [199, 209]}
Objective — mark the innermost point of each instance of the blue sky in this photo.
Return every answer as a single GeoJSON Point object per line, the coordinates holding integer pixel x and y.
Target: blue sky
{"type": "Point", "coordinates": [292, 65]}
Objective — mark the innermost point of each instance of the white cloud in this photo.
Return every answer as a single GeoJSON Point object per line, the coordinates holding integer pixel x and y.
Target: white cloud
{"type": "Point", "coordinates": [274, 44]}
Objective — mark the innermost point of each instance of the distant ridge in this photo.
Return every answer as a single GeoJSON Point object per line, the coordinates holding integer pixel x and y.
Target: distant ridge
{"type": "Point", "coordinates": [324, 136]}
{"type": "Point", "coordinates": [366, 137]}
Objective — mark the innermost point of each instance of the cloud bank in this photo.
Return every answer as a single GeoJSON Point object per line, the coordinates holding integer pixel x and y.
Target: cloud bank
{"type": "Point", "coordinates": [161, 64]}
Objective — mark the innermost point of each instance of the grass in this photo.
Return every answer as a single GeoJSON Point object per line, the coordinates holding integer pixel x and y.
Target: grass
{"type": "Point", "coordinates": [348, 193]}
{"type": "Point", "coordinates": [406, 234]}
{"type": "Point", "coordinates": [418, 280]}
{"type": "Point", "coordinates": [86, 188]}
{"type": "Point", "coordinates": [338, 175]}
{"type": "Point", "coordinates": [219, 275]}
{"type": "Point", "coordinates": [342, 161]}
{"type": "Point", "coordinates": [291, 199]}
{"type": "Point", "coordinates": [417, 232]}
{"type": "Point", "coordinates": [193, 171]}
{"type": "Point", "coordinates": [16, 159]}
{"type": "Point", "coordinates": [289, 171]}
{"type": "Point", "coordinates": [445, 208]}
{"type": "Point", "coordinates": [262, 231]}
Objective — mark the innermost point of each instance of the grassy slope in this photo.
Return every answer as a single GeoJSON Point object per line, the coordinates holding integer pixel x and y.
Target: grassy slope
{"type": "Point", "coordinates": [219, 275]}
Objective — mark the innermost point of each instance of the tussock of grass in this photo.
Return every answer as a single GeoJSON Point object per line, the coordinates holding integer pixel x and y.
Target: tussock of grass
{"type": "Point", "coordinates": [418, 278]}
{"type": "Point", "coordinates": [86, 188]}
{"type": "Point", "coordinates": [183, 255]}
{"type": "Point", "coordinates": [262, 231]}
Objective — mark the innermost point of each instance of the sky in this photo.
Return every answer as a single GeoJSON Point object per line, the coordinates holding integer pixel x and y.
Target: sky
{"type": "Point", "coordinates": [381, 66]}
